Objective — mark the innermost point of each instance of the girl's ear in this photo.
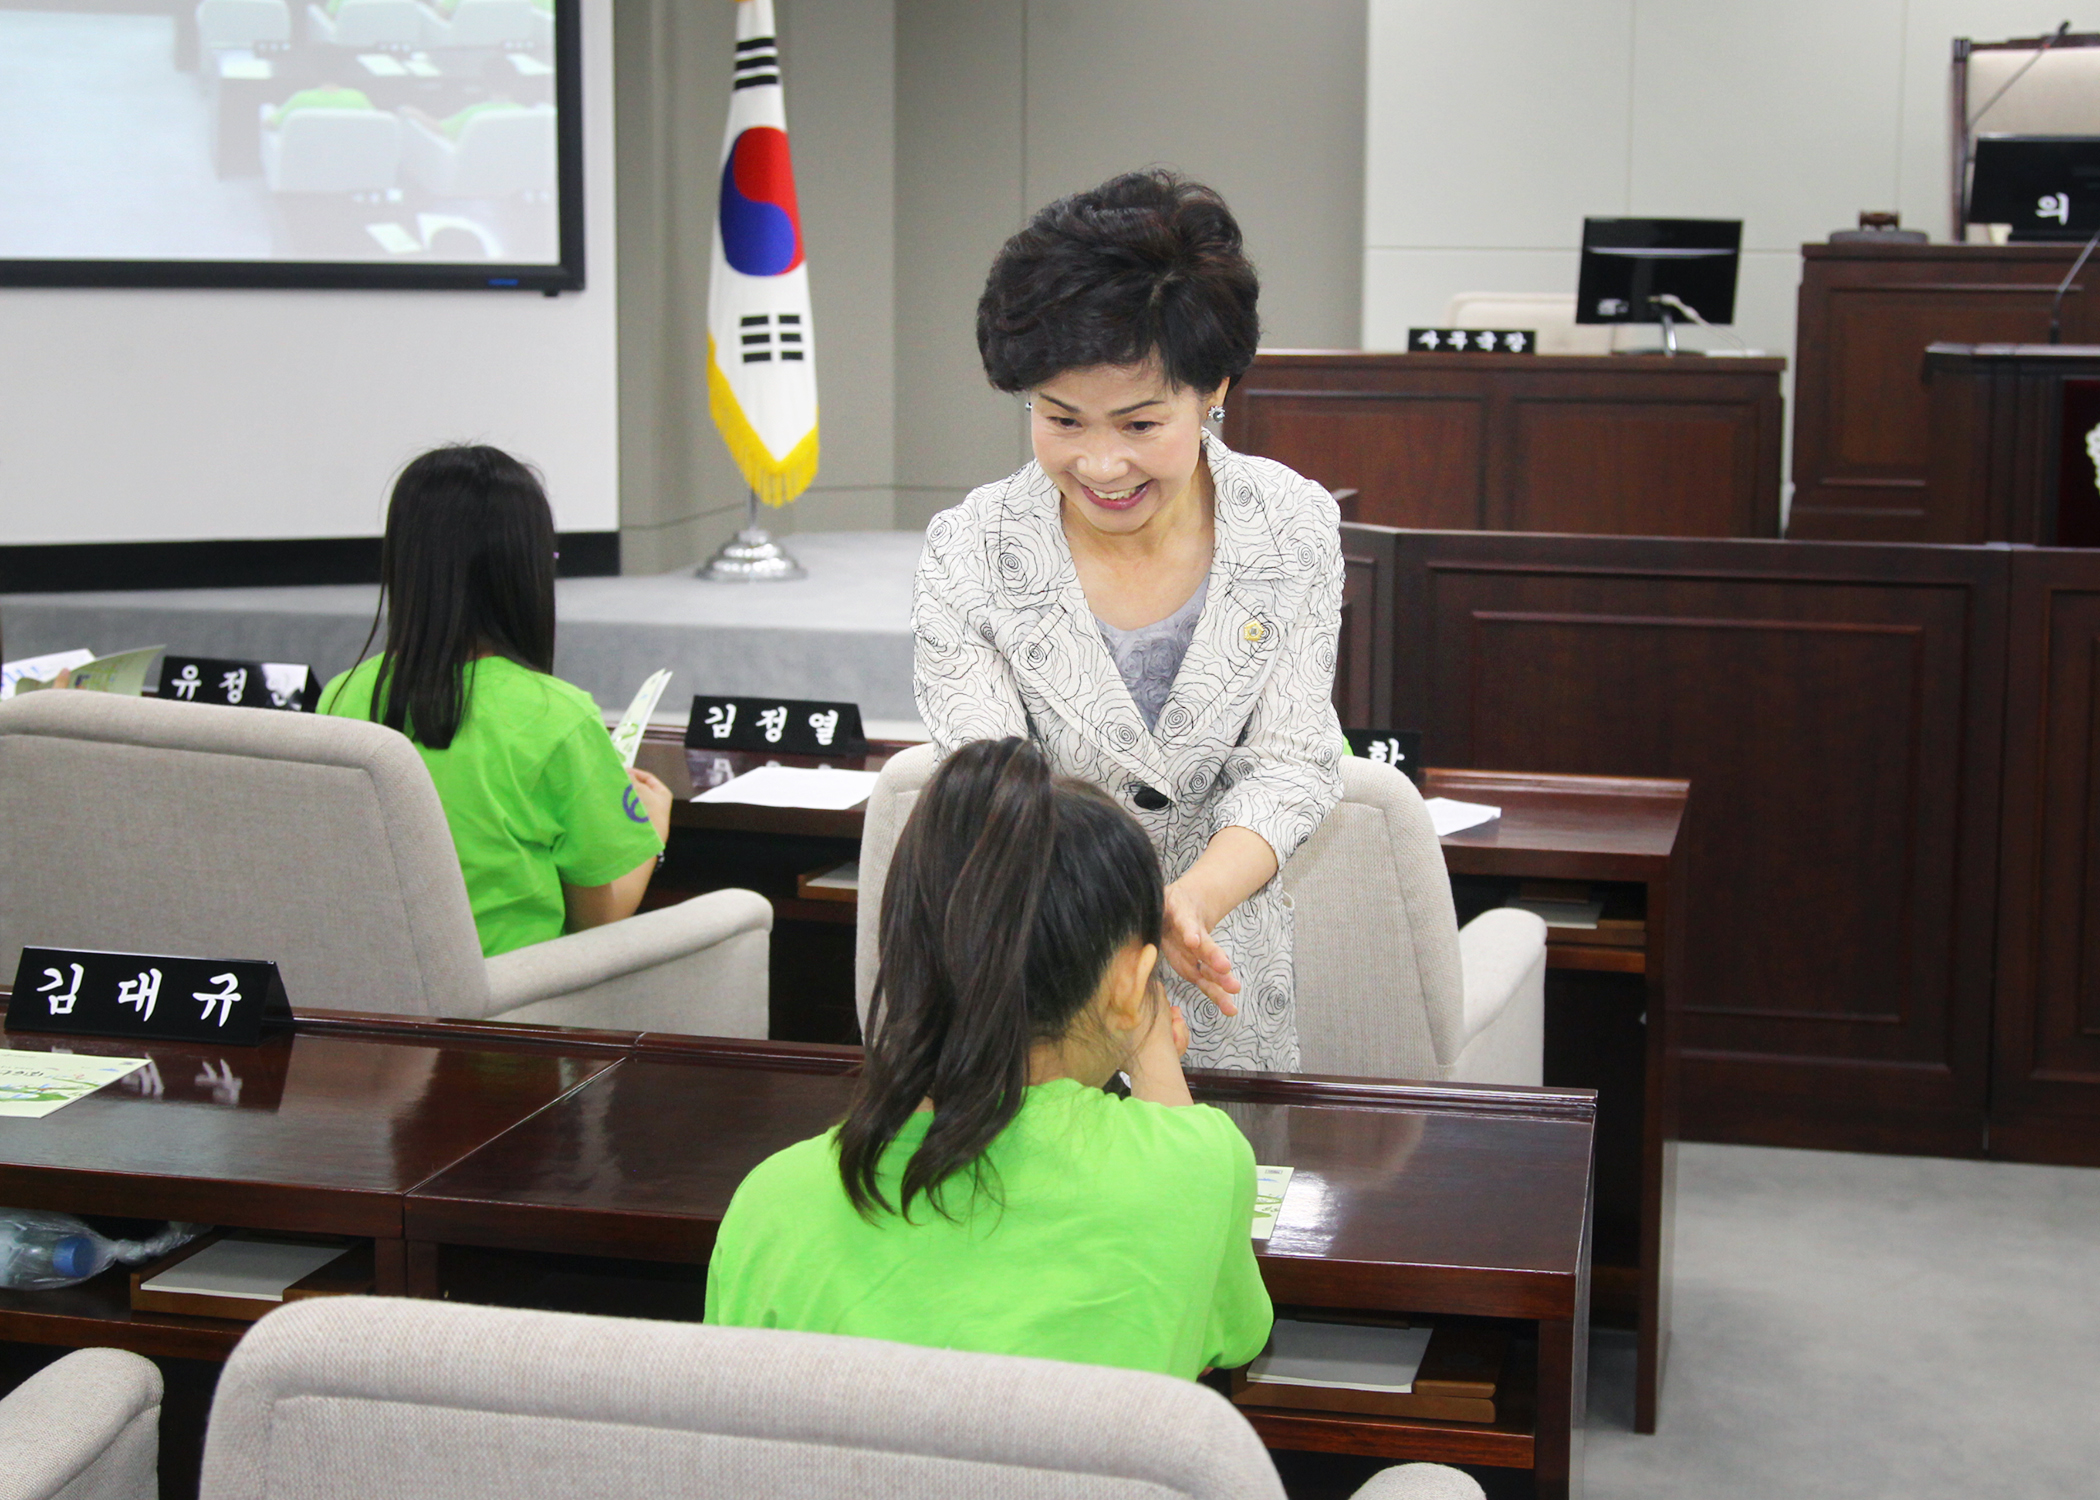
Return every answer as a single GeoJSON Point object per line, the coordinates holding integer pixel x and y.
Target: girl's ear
{"type": "Point", "coordinates": [1127, 987]}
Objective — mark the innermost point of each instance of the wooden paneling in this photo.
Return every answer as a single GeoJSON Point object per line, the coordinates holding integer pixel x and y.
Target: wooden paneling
{"type": "Point", "coordinates": [1862, 418]}
{"type": "Point", "coordinates": [2007, 446]}
{"type": "Point", "coordinates": [1623, 470]}
{"type": "Point", "coordinates": [1625, 445]}
{"type": "Point", "coordinates": [1837, 711]}
{"type": "Point", "coordinates": [2046, 1092]}
{"type": "Point", "coordinates": [1363, 667]}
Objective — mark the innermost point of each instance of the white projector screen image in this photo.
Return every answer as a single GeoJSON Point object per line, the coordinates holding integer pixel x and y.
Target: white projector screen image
{"type": "Point", "coordinates": [317, 142]}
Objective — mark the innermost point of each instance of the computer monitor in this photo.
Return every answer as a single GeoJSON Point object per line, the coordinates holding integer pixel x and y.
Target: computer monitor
{"type": "Point", "coordinates": [1628, 263]}
{"type": "Point", "coordinates": [2047, 187]}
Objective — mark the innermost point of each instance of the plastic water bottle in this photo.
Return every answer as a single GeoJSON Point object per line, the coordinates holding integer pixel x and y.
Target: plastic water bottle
{"type": "Point", "coordinates": [40, 1250]}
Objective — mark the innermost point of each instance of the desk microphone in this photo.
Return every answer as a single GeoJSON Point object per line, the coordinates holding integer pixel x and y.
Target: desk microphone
{"type": "Point", "coordinates": [2056, 306]}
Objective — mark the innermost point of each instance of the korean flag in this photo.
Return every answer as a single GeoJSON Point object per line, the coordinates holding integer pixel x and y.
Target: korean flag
{"type": "Point", "coordinates": [761, 355]}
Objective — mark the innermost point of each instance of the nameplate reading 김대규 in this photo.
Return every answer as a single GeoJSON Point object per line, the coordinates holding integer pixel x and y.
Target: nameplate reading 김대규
{"type": "Point", "coordinates": [787, 726]}
{"type": "Point", "coordinates": [90, 993]}
{"type": "Point", "coordinates": [1398, 748]}
{"type": "Point", "coordinates": [239, 684]}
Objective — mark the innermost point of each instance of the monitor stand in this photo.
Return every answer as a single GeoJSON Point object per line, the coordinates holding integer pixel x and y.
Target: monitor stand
{"type": "Point", "coordinates": [1669, 328]}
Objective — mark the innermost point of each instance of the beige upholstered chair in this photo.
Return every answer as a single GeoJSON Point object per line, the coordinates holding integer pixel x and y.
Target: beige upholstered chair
{"type": "Point", "coordinates": [1551, 314]}
{"type": "Point", "coordinates": [86, 1427]}
{"type": "Point", "coordinates": [136, 825]}
{"type": "Point", "coordinates": [1388, 986]}
{"type": "Point", "coordinates": [376, 1396]}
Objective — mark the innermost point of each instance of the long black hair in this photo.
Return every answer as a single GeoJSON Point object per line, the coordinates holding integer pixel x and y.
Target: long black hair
{"type": "Point", "coordinates": [1009, 893]}
{"type": "Point", "coordinates": [1146, 266]}
{"type": "Point", "coordinates": [467, 570]}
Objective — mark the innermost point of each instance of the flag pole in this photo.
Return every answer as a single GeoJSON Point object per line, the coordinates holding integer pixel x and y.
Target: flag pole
{"type": "Point", "coordinates": [751, 556]}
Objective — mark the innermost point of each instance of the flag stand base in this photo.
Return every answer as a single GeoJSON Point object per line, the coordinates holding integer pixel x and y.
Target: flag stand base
{"type": "Point", "coordinates": [751, 556]}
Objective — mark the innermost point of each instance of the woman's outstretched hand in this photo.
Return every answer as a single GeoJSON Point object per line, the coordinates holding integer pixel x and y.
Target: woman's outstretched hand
{"type": "Point", "coordinates": [1194, 954]}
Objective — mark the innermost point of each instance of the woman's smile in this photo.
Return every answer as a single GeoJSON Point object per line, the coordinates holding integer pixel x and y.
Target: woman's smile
{"type": "Point", "coordinates": [1122, 499]}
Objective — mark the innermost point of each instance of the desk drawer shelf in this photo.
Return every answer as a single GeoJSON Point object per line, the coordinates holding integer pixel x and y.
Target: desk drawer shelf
{"type": "Point", "coordinates": [98, 1314]}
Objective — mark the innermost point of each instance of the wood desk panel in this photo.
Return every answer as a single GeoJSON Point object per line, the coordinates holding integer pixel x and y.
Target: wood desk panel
{"type": "Point", "coordinates": [1643, 445]}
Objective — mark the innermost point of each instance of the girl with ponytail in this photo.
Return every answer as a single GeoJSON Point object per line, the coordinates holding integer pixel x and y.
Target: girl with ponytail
{"type": "Point", "coordinates": [985, 1190]}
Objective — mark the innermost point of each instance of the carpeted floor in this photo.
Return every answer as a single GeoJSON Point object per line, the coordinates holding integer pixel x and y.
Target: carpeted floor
{"type": "Point", "coordinates": [1867, 1326]}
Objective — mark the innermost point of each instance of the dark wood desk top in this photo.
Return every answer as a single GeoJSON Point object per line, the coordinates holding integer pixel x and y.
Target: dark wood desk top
{"type": "Point", "coordinates": [320, 1133]}
{"type": "Point", "coordinates": [1563, 827]}
{"type": "Point", "coordinates": [1464, 1199]}
{"type": "Point", "coordinates": [1690, 363]}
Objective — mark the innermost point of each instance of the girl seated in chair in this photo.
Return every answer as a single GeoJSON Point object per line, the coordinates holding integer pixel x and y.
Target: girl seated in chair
{"type": "Point", "coordinates": [986, 1192]}
{"type": "Point", "coordinates": [554, 834]}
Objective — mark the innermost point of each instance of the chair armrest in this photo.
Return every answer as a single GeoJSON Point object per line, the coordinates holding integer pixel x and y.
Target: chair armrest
{"type": "Point", "coordinates": [87, 1427]}
{"type": "Point", "coordinates": [1420, 1482]}
{"type": "Point", "coordinates": [680, 968]}
{"type": "Point", "coordinates": [1496, 951]}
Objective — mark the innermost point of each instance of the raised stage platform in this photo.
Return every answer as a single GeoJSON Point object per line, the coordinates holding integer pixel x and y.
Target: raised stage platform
{"type": "Point", "coordinates": [844, 632]}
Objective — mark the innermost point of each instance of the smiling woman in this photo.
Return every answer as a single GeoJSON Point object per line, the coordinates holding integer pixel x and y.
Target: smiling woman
{"type": "Point", "coordinates": [1157, 612]}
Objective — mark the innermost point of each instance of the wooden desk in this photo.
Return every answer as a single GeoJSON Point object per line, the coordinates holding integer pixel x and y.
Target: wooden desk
{"type": "Point", "coordinates": [2009, 461]}
{"type": "Point", "coordinates": [1644, 445]}
{"type": "Point", "coordinates": [447, 1139]}
{"type": "Point", "coordinates": [1608, 1023]}
{"type": "Point", "coordinates": [1429, 1199]}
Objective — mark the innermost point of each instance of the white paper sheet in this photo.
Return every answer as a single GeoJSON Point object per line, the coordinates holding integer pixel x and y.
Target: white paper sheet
{"type": "Point", "coordinates": [1342, 1356]}
{"type": "Point", "coordinates": [33, 1084]}
{"type": "Point", "coordinates": [627, 738]}
{"type": "Point", "coordinates": [1454, 817]}
{"type": "Point", "coordinates": [258, 1270]}
{"type": "Point", "coordinates": [822, 787]}
{"type": "Point", "coordinates": [1270, 1184]}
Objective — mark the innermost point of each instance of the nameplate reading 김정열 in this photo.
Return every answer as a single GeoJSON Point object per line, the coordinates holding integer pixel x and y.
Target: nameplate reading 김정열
{"type": "Point", "coordinates": [240, 684]}
{"type": "Point", "coordinates": [88, 993]}
{"type": "Point", "coordinates": [788, 726]}
{"type": "Point", "coordinates": [1399, 748]}
{"type": "Point", "coordinates": [1473, 340]}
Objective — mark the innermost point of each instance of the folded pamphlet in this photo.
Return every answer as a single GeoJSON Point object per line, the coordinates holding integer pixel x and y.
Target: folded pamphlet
{"type": "Point", "coordinates": [627, 738]}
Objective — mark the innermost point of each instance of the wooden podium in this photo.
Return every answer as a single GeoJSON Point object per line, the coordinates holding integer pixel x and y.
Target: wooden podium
{"type": "Point", "coordinates": [1622, 445]}
{"type": "Point", "coordinates": [2015, 434]}
{"type": "Point", "coordinates": [1863, 420]}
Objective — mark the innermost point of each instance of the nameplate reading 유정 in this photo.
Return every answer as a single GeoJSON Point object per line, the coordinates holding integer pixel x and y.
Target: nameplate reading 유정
{"type": "Point", "coordinates": [239, 684]}
{"type": "Point", "coordinates": [787, 726]}
{"type": "Point", "coordinates": [1398, 748]}
{"type": "Point", "coordinates": [88, 993]}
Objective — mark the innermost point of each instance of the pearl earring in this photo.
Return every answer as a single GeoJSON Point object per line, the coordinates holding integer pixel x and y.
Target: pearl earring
{"type": "Point", "coordinates": [1028, 406]}
{"type": "Point", "coordinates": [1217, 413]}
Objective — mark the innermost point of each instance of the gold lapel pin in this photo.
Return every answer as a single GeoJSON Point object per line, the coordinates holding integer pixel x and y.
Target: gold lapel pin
{"type": "Point", "coordinates": [1253, 632]}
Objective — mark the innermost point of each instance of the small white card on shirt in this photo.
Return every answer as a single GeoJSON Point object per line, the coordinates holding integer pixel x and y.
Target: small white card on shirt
{"type": "Point", "coordinates": [1455, 817]}
{"type": "Point", "coordinates": [1270, 1184]}
{"type": "Point", "coordinates": [823, 788]}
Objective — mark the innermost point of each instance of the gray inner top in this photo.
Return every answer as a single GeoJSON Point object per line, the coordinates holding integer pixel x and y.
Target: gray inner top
{"type": "Point", "coordinates": [1149, 657]}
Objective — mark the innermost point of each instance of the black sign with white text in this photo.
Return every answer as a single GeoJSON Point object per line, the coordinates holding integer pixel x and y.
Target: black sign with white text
{"type": "Point", "coordinates": [788, 726]}
{"type": "Point", "coordinates": [1399, 748]}
{"type": "Point", "coordinates": [1473, 340]}
{"type": "Point", "coordinates": [89, 993]}
{"type": "Point", "coordinates": [239, 684]}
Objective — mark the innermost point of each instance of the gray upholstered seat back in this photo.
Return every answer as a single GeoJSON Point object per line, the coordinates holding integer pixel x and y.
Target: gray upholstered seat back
{"type": "Point", "coordinates": [132, 824]}
{"type": "Point", "coordinates": [1380, 993]}
{"type": "Point", "coordinates": [355, 1396]}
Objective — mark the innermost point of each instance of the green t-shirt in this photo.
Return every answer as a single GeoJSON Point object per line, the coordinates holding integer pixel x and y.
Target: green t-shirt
{"type": "Point", "coordinates": [1124, 1239]}
{"type": "Point", "coordinates": [534, 792]}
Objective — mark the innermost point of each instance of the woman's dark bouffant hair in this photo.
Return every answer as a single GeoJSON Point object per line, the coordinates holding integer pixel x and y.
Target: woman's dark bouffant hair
{"type": "Point", "coordinates": [1147, 265]}
{"type": "Point", "coordinates": [467, 568]}
{"type": "Point", "coordinates": [1009, 893]}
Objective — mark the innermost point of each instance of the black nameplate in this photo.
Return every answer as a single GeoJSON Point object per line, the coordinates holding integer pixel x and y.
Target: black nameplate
{"type": "Point", "coordinates": [787, 726]}
{"type": "Point", "coordinates": [239, 684]}
{"type": "Point", "coordinates": [1473, 340]}
{"type": "Point", "coordinates": [1401, 748]}
{"type": "Point", "coordinates": [86, 993]}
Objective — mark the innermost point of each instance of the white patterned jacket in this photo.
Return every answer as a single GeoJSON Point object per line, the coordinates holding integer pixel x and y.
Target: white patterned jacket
{"type": "Point", "coordinates": [1006, 645]}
